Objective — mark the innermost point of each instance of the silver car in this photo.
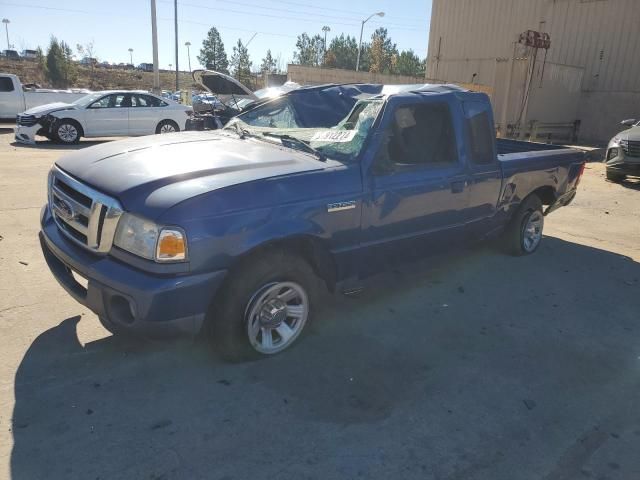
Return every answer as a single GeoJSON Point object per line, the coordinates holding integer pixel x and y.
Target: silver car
{"type": "Point", "coordinates": [623, 152]}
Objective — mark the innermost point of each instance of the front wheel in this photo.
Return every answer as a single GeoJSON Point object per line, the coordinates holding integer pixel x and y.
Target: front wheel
{"type": "Point", "coordinates": [263, 307]}
{"type": "Point", "coordinates": [524, 233]}
{"type": "Point", "coordinates": [67, 132]}
{"type": "Point", "coordinates": [167, 126]}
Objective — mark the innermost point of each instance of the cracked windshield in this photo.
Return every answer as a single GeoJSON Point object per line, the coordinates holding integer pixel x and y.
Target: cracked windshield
{"type": "Point", "coordinates": [293, 240]}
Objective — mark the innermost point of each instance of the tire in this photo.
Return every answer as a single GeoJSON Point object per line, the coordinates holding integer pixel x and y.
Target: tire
{"type": "Point", "coordinates": [615, 177]}
{"type": "Point", "coordinates": [167, 126]}
{"type": "Point", "coordinates": [67, 132]}
{"type": "Point", "coordinates": [524, 232]}
{"type": "Point", "coordinates": [257, 302]}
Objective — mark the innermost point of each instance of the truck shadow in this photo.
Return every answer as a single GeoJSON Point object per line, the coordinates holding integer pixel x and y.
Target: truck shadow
{"type": "Point", "coordinates": [477, 353]}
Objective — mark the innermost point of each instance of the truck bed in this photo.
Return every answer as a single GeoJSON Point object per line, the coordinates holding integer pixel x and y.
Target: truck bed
{"type": "Point", "coordinates": [506, 145]}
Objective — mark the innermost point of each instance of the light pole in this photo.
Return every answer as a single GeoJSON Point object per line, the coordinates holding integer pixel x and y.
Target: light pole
{"type": "Point", "coordinates": [175, 12]}
{"type": "Point", "coordinates": [6, 27]}
{"type": "Point", "coordinates": [379, 14]}
{"type": "Point", "coordinates": [188, 44]}
{"type": "Point", "coordinates": [131, 55]}
{"type": "Point", "coordinates": [325, 29]}
{"type": "Point", "coordinates": [154, 42]}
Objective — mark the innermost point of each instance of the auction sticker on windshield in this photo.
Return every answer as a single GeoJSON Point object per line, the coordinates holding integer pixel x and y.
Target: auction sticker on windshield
{"type": "Point", "coordinates": [334, 136]}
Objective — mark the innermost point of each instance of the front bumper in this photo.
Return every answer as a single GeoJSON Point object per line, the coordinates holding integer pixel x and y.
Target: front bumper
{"type": "Point", "coordinates": [27, 135]}
{"type": "Point", "coordinates": [131, 300]}
{"type": "Point", "coordinates": [618, 162]}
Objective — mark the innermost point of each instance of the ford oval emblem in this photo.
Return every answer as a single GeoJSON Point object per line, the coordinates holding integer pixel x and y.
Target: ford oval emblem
{"type": "Point", "coordinates": [65, 210]}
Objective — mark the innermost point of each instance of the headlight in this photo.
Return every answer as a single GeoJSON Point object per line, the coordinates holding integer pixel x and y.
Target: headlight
{"type": "Point", "coordinates": [148, 240]}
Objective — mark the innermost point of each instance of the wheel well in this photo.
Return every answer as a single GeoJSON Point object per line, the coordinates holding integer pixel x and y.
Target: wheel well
{"type": "Point", "coordinates": [75, 122]}
{"type": "Point", "coordinates": [311, 249]}
{"type": "Point", "coordinates": [547, 195]}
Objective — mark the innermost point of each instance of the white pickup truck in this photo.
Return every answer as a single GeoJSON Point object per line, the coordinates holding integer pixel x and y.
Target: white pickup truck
{"type": "Point", "coordinates": [15, 99]}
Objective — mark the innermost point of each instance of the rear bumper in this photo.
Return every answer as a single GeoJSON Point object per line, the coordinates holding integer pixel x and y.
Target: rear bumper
{"type": "Point", "coordinates": [127, 298]}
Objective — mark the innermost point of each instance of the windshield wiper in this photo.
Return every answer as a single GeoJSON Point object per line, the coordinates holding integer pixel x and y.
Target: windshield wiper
{"type": "Point", "coordinates": [295, 142]}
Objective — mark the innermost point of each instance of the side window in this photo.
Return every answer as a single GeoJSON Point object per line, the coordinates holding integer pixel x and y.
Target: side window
{"type": "Point", "coordinates": [6, 84]}
{"type": "Point", "coordinates": [153, 101]}
{"type": "Point", "coordinates": [481, 139]}
{"type": "Point", "coordinates": [418, 135]}
{"type": "Point", "coordinates": [112, 101]}
{"type": "Point", "coordinates": [101, 103]}
{"type": "Point", "coordinates": [276, 114]}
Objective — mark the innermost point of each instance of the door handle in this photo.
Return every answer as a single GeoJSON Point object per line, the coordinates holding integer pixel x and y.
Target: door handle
{"type": "Point", "coordinates": [458, 187]}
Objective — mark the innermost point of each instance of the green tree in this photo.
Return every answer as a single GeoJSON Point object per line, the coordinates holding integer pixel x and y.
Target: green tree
{"type": "Point", "coordinates": [61, 70]}
{"type": "Point", "coordinates": [240, 63]}
{"type": "Point", "coordinates": [342, 52]}
{"type": "Point", "coordinates": [409, 64]}
{"type": "Point", "coordinates": [268, 63]}
{"type": "Point", "coordinates": [383, 54]}
{"type": "Point", "coordinates": [310, 50]}
{"type": "Point", "coordinates": [212, 54]}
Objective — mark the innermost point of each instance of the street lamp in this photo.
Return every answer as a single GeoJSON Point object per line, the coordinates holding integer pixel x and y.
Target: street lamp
{"type": "Point", "coordinates": [6, 27]}
{"type": "Point", "coordinates": [379, 14]}
{"type": "Point", "coordinates": [188, 44]}
{"type": "Point", "coordinates": [325, 29]}
{"type": "Point", "coordinates": [131, 55]}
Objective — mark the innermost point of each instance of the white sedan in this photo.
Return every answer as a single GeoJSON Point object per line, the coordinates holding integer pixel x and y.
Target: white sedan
{"type": "Point", "coordinates": [102, 114]}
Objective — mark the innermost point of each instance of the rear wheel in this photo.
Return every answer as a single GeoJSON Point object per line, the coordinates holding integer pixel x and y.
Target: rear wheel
{"type": "Point", "coordinates": [167, 126]}
{"type": "Point", "coordinates": [263, 307]}
{"type": "Point", "coordinates": [524, 233]}
{"type": "Point", "coordinates": [67, 132]}
{"type": "Point", "coordinates": [615, 177]}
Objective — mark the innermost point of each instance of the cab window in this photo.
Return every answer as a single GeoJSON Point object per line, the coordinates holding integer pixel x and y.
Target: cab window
{"type": "Point", "coordinates": [419, 135]}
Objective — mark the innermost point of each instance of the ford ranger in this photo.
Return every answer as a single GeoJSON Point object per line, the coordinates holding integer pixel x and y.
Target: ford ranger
{"type": "Point", "coordinates": [233, 232]}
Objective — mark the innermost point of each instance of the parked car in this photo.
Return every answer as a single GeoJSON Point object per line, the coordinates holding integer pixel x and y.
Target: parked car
{"type": "Point", "coordinates": [237, 230]}
{"type": "Point", "coordinates": [11, 54]}
{"type": "Point", "coordinates": [623, 152]}
{"type": "Point", "coordinates": [102, 114]}
{"type": "Point", "coordinates": [310, 106]}
{"type": "Point", "coordinates": [146, 67]}
{"type": "Point", "coordinates": [15, 99]}
{"type": "Point", "coordinates": [29, 54]}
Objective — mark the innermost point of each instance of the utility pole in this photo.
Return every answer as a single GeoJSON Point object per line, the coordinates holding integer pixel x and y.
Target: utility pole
{"type": "Point", "coordinates": [131, 55]}
{"type": "Point", "coordinates": [154, 41]}
{"type": "Point", "coordinates": [175, 10]}
{"type": "Point", "coordinates": [379, 14]}
{"type": "Point", "coordinates": [188, 45]}
{"type": "Point", "coordinates": [325, 29]}
{"type": "Point", "coordinates": [6, 27]}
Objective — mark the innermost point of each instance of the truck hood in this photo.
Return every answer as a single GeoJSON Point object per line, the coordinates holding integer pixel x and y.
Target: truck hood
{"type": "Point", "coordinates": [49, 108]}
{"type": "Point", "coordinates": [151, 174]}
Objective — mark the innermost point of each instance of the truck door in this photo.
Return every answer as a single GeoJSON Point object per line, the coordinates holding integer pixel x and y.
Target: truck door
{"type": "Point", "coordinates": [485, 182]}
{"type": "Point", "coordinates": [11, 98]}
{"type": "Point", "coordinates": [417, 180]}
{"type": "Point", "coordinates": [108, 115]}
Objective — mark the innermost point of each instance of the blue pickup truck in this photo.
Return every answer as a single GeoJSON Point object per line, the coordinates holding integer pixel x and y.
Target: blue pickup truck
{"type": "Point", "coordinates": [232, 233]}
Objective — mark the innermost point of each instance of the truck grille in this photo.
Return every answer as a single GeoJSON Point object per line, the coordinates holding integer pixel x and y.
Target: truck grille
{"type": "Point", "coordinates": [83, 214]}
{"type": "Point", "coordinates": [631, 147]}
{"type": "Point", "coordinates": [26, 120]}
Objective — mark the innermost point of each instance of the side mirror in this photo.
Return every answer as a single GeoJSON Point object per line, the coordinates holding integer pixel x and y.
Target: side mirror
{"type": "Point", "coordinates": [629, 122]}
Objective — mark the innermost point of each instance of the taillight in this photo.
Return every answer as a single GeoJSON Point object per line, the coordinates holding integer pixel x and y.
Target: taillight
{"type": "Point", "coordinates": [580, 172]}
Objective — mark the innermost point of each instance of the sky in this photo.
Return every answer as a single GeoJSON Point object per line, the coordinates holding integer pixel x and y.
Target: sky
{"type": "Point", "coordinates": [114, 26]}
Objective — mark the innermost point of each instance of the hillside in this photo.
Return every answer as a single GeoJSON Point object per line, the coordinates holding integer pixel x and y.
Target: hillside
{"type": "Point", "coordinates": [103, 79]}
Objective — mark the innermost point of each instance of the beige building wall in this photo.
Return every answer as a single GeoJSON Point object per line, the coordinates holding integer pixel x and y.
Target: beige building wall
{"type": "Point", "coordinates": [592, 70]}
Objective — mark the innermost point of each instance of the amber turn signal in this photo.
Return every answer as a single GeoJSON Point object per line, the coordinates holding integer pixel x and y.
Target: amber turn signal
{"type": "Point", "coordinates": [172, 245]}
